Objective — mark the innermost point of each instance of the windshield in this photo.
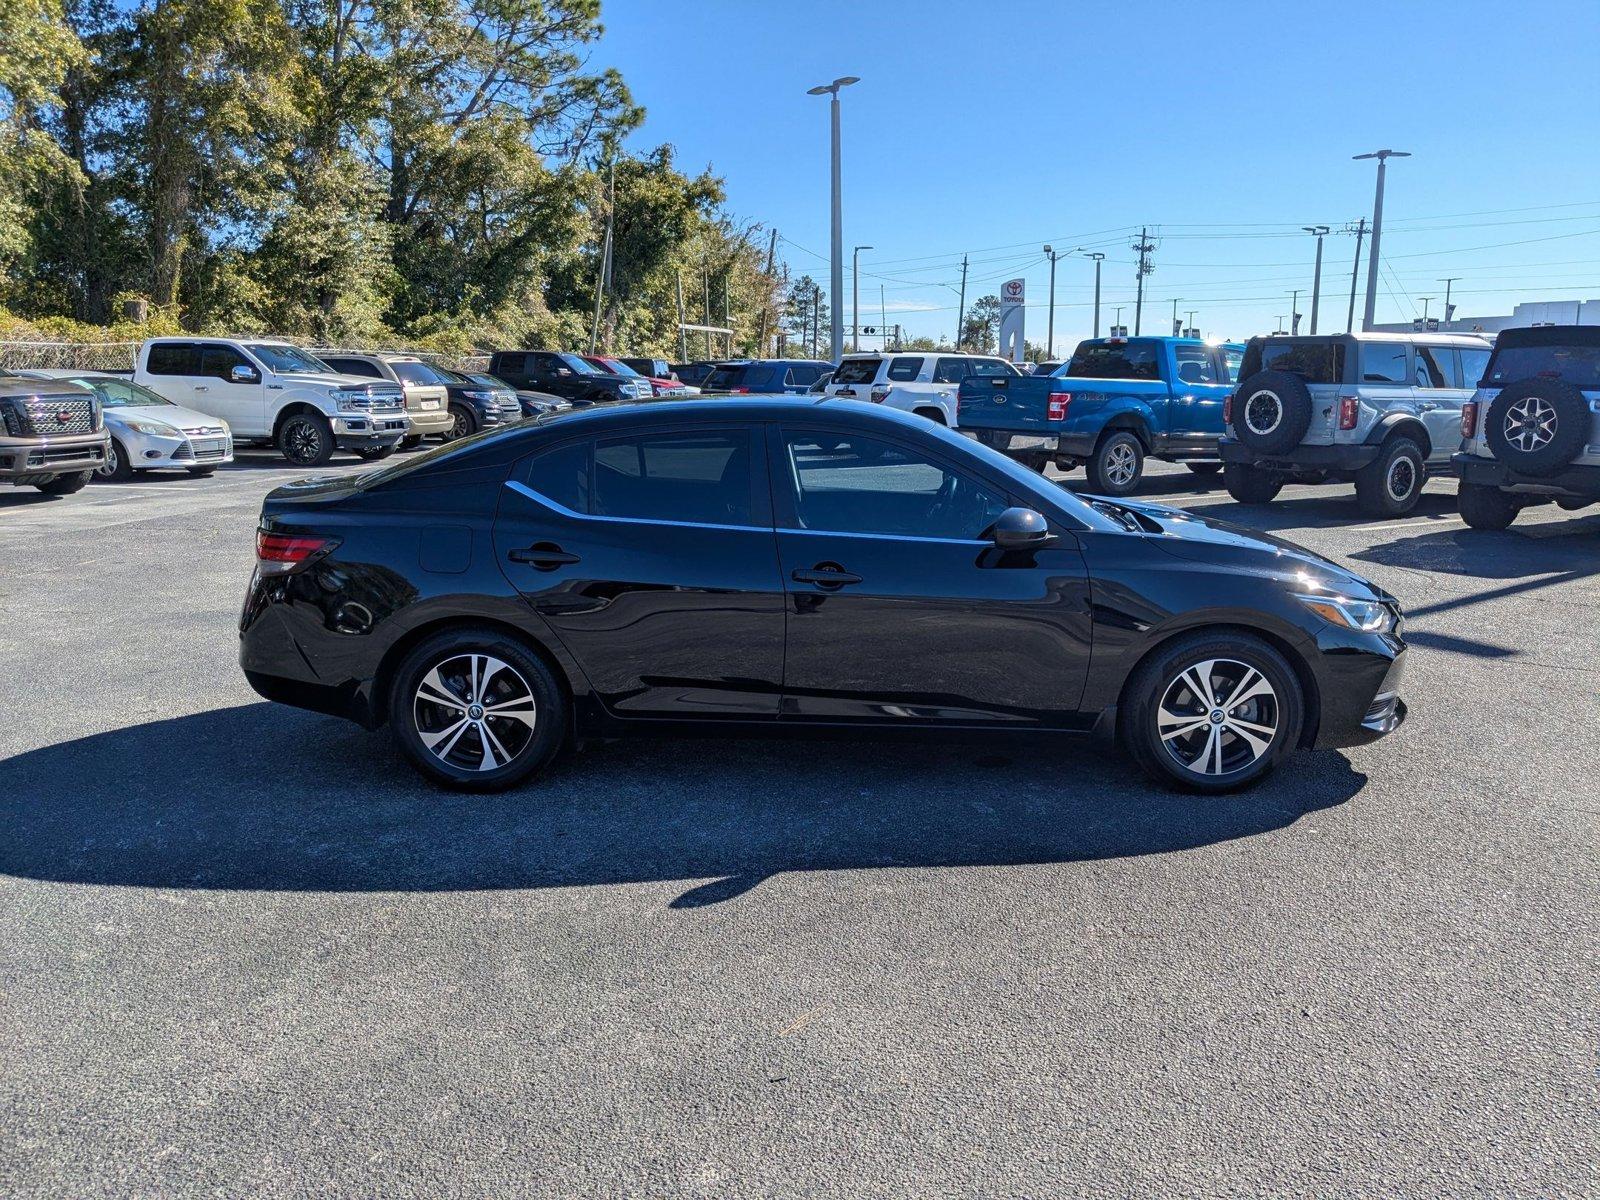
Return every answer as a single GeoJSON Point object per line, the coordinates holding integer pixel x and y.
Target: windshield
{"type": "Point", "coordinates": [618, 367]}
{"type": "Point", "coordinates": [289, 360]}
{"type": "Point", "coordinates": [119, 393]}
{"type": "Point", "coordinates": [1577, 365]}
{"type": "Point", "coordinates": [578, 366]}
{"type": "Point", "coordinates": [491, 381]}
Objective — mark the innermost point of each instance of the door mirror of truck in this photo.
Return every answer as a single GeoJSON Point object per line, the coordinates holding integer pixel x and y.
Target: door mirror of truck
{"type": "Point", "coordinates": [241, 373]}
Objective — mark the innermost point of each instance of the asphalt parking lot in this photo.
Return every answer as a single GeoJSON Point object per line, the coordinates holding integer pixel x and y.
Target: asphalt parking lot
{"type": "Point", "coordinates": [248, 952]}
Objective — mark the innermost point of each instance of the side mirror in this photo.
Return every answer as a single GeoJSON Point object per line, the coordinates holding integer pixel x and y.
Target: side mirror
{"type": "Point", "coordinates": [1020, 529]}
{"type": "Point", "coordinates": [243, 374]}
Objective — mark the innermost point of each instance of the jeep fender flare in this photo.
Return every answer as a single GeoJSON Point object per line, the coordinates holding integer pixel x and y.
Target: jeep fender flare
{"type": "Point", "coordinates": [1408, 424]}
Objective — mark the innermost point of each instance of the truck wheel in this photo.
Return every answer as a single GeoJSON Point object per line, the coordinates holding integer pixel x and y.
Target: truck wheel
{"type": "Point", "coordinates": [1272, 411]}
{"type": "Point", "coordinates": [306, 440]}
{"type": "Point", "coordinates": [411, 441]}
{"type": "Point", "coordinates": [1391, 484]}
{"type": "Point", "coordinates": [1485, 507]}
{"type": "Point", "coordinates": [1115, 467]}
{"type": "Point", "coordinates": [463, 423]}
{"type": "Point", "coordinates": [65, 485]}
{"type": "Point", "coordinates": [375, 453]}
{"type": "Point", "coordinates": [1251, 485]}
{"type": "Point", "coordinates": [1204, 468]}
{"type": "Point", "coordinates": [118, 467]}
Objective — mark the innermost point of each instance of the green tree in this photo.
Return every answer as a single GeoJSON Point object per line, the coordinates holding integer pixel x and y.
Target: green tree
{"type": "Point", "coordinates": [980, 328]}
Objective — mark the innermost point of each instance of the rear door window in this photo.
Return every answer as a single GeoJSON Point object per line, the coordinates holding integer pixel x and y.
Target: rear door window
{"type": "Point", "coordinates": [803, 374]}
{"type": "Point", "coordinates": [1384, 362]}
{"type": "Point", "coordinates": [722, 379]}
{"type": "Point", "coordinates": [702, 478]}
{"type": "Point", "coordinates": [1231, 361]}
{"type": "Point", "coordinates": [219, 361]}
{"type": "Point", "coordinates": [905, 370]}
{"type": "Point", "coordinates": [1435, 367]}
{"type": "Point", "coordinates": [174, 358]}
{"type": "Point", "coordinates": [857, 370]}
{"type": "Point", "coordinates": [989, 366]}
{"type": "Point", "coordinates": [1195, 364]}
{"type": "Point", "coordinates": [950, 370]}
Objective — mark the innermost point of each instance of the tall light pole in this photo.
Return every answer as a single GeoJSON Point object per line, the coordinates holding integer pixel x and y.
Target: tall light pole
{"type": "Point", "coordinates": [1447, 283]}
{"type": "Point", "coordinates": [1192, 311]}
{"type": "Point", "coordinates": [1098, 258]}
{"type": "Point", "coordinates": [1318, 232]}
{"type": "Point", "coordinates": [1294, 311]}
{"type": "Point", "coordinates": [1050, 335]}
{"type": "Point", "coordinates": [1425, 300]}
{"type": "Point", "coordinates": [1176, 328]}
{"type": "Point", "coordinates": [855, 297]}
{"type": "Point", "coordinates": [1383, 157]}
{"type": "Point", "coordinates": [836, 342]}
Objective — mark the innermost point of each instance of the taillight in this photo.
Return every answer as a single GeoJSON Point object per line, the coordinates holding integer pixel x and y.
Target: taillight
{"type": "Point", "coordinates": [738, 391]}
{"type": "Point", "coordinates": [1227, 410]}
{"type": "Point", "coordinates": [1469, 419]}
{"type": "Point", "coordinates": [1349, 410]}
{"type": "Point", "coordinates": [281, 553]}
{"type": "Point", "coordinates": [879, 394]}
{"type": "Point", "coordinates": [1056, 410]}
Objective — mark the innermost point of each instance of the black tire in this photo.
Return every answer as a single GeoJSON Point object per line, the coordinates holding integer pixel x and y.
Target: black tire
{"type": "Point", "coordinates": [306, 439]}
{"type": "Point", "coordinates": [517, 749]}
{"type": "Point", "coordinates": [1392, 483]}
{"type": "Point", "coordinates": [411, 441]}
{"type": "Point", "coordinates": [201, 472]}
{"type": "Point", "coordinates": [65, 485]}
{"type": "Point", "coordinates": [1242, 755]}
{"type": "Point", "coordinates": [1484, 507]}
{"type": "Point", "coordinates": [1537, 426]}
{"type": "Point", "coordinates": [1272, 411]}
{"type": "Point", "coordinates": [1251, 485]}
{"type": "Point", "coordinates": [376, 453]}
{"type": "Point", "coordinates": [932, 414]}
{"type": "Point", "coordinates": [1117, 464]}
{"type": "Point", "coordinates": [118, 467]}
{"type": "Point", "coordinates": [1204, 468]}
{"type": "Point", "coordinates": [465, 423]}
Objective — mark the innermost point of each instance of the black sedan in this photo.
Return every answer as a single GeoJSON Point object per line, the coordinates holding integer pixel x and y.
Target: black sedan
{"type": "Point", "coordinates": [794, 565]}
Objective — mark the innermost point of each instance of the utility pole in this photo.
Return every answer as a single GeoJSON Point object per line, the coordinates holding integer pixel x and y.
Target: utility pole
{"type": "Point", "coordinates": [1355, 274]}
{"type": "Point", "coordinates": [1118, 324]}
{"type": "Point", "coordinates": [766, 305]}
{"type": "Point", "coordinates": [831, 90]}
{"type": "Point", "coordinates": [1050, 335]}
{"type": "Point", "coordinates": [1294, 311]}
{"type": "Point", "coordinates": [1176, 328]}
{"type": "Point", "coordinates": [1192, 311]}
{"type": "Point", "coordinates": [1373, 266]}
{"type": "Point", "coordinates": [1144, 247]}
{"type": "Point", "coordinates": [1318, 232]}
{"type": "Point", "coordinates": [883, 315]}
{"type": "Point", "coordinates": [1098, 259]}
{"type": "Point", "coordinates": [605, 261]}
{"type": "Point", "coordinates": [705, 282]}
{"type": "Point", "coordinates": [816, 321]}
{"type": "Point", "coordinates": [961, 305]}
{"type": "Point", "coordinates": [1448, 307]}
{"type": "Point", "coordinates": [683, 334]}
{"type": "Point", "coordinates": [1425, 300]}
{"type": "Point", "coordinates": [855, 297]}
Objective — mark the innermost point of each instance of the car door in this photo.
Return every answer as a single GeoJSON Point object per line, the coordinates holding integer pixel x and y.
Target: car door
{"type": "Point", "coordinates": [651, 558]}
{"type": "Point", "coordinates": [1199, 389]}
{"type": "Point", "coordinates": [1439, 391]}
{"type": "Point", "coordinates": [900, 610]}
{"type": "Point", "coordinates": [240, 400]}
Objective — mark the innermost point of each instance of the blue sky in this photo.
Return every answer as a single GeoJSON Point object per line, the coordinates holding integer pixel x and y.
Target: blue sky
{"type": "Point", "coordinates": [992, 129]}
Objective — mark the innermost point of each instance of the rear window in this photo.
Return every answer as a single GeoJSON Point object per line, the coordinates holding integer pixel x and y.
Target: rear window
{"type": "Point", "coordinates": [1128, 360]}
{"type": "Point", "coordinates": [1383, 362]}
{"type": "Point", "coordinates": [860, 370]}
{"type": "Point", "coordinates": [173, 358]}
{"type": "Point", "coordinates": [1315, 362]}
{"type": "Point", "coordinates": [1577, 365]}
{"type": "Point", "coordinates": [418, 373]}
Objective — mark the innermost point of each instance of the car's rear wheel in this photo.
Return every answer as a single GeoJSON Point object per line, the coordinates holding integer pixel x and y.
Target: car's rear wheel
{"type": "Point", "coordinates": [1391, 484]}
{"type": "Point", "coordinates": [476, 710]}
{"type": "Point", "coordinates": [1212, 712]}
{"type": "Point", "coordinates": [1117, 464]}
{"type": "Point", "coordinates": [1486, 507]}
{"type": "Point", "coordinates": [1251, 485]}
{"type": "Point", "coordinates": [65, 485]}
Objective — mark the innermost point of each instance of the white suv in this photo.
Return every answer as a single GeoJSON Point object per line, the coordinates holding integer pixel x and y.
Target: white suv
{"type": "Point", "coordinates": [925, 384]}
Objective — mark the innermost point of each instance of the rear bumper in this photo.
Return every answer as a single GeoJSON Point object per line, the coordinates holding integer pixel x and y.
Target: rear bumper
{"type": "Point", "coordinates": [425, 422]}
{"type": "Point", "coordinates": [1065, 445]}
{"type": "Point", "coordinates": [1301, 458]}
{"type": "Point", "coordinates": [29, 460]}
{"type": "Point", "coordinates": [1489, 472]}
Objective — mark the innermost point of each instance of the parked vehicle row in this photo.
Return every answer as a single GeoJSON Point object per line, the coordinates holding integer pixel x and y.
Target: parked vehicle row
{"type": "Point", "coordinates": [925, 384]}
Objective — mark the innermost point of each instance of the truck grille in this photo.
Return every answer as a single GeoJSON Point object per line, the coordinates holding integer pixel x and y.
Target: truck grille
{"type": "Point", "coordinates": [50, 416]}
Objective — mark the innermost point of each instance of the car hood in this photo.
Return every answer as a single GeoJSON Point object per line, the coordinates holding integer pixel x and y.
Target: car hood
{"type": "Point", "coordinates": [332, 379]}
{"type": "Point", "coordinates": [163, 414]}
{"type": "Point", "coordinates": [1184, 534]}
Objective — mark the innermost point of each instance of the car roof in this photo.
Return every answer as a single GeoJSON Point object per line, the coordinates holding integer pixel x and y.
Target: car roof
{"type": "Point", "coordinates": [738, 408]}
{"type": "Point", "coordinates": [1449, 339]}
{"type": "Point", "coordinates": [1550, 335]}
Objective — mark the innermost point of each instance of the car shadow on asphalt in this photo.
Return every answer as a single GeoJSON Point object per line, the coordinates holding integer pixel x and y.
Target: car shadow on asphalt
{"type": "Point", "coordinates": [268, 797]}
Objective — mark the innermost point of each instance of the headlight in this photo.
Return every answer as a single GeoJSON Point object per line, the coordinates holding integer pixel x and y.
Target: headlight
{"type": "Point", "coordinates": [151, 429]}
{"type": "Point", "coordinates": [1368, 616]}
{"type": "Point", "coordinates": [485, 396]}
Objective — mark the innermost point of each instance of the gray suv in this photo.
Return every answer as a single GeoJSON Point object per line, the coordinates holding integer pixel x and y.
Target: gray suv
{"type": "Point", "coordinates": [1380, 410]}
{"type": "Point", "coordinates": [1531, 432]}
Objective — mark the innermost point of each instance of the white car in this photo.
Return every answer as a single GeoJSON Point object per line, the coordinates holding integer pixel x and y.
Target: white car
{"type": "Point", "coordinates": [925, 384]}
{"type": "Point", "coordinates": [149, 433]}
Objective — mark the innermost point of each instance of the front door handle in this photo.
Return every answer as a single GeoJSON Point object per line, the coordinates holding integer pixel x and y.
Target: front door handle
{"type": "Point", "coordinates": [1427, 406]}
{"type": "Point", "coordinates": [825, 575]}
{"type": "Point", "coordinates": [544, 557]}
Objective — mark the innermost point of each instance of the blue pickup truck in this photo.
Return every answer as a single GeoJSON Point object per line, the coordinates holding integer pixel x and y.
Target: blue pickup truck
{"type": "Point", "coordinates": [1117, 402]}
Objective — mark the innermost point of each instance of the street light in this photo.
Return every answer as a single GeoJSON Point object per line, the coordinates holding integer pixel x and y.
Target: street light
{"type": "Point", "coordinates": [855, 297]}
{"type": "Point", "coordinates": [1383, 157]}
{"type": "Point", "coordinates": [1097, 256]}
{"type": "Point", "coordinates": [1447, 282]}
{"type": "Point", "coordinates": [837, 314]}
{"type": "Point", "coordinates": [1050, 335]}
{"type": "Point", "coordinates": [1318, 232]}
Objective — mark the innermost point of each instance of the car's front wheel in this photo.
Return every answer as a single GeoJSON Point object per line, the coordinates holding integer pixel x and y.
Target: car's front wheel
{"type": "Point", "coordinates": [306, 439]}
{"type": "Point", "coordinates": [1212, 712]}
{"type": "Point", "coordinates": [118, 467]}
{"type": "Point", "coordinates": [65, 485]}
{"type": "Point", "coordinates": [476, 710]}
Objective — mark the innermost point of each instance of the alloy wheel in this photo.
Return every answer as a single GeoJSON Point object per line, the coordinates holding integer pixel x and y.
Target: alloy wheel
{"type": "Point", "coordinates": [108, 469]}
{"type": "Point", "coordinates": [300, 440]}
{"type": "Point", "coordinates": [1530, 423]}
{"type": "Point", "coordinates": [1401, 478]}
{"type": "Point", "coordinates": [459, 428]}
{"type": "Point", "coordinates": [1263, 412]}
{"type": "Point", "coordinates": [1121, 464]}
{"type": "Point", "coordinates": [474, 712]}
{"type": "Point", "coordinates": [1218, 716]}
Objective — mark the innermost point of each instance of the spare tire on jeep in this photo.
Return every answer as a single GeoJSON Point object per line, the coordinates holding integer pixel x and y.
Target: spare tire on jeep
{"type": "Point", "coordinates": [1272, 411]}
{"type": "Point", "coordinates": [1537, 426]}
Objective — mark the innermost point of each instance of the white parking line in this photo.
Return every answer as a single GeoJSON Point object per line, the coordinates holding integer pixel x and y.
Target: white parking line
{"type": "Point", "coordinates": [1442, 519]}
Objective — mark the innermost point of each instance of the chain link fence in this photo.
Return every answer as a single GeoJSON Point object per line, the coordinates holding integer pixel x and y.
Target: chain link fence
{"type": "Point", "coordinates": [68, 356]}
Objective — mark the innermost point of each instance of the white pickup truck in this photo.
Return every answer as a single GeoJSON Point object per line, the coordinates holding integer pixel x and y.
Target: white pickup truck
{"type": "Point", "coordinates": [925, 384]}
{"type": "Point", "coordinates": [274, 393]}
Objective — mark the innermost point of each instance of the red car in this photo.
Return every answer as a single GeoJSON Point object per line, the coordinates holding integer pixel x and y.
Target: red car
{"type": "Point", "coordinates": [658, 387]}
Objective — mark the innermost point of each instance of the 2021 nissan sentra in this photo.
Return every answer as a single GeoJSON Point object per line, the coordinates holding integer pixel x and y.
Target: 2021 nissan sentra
{"type": "Point", "coordinates": [794, 565]}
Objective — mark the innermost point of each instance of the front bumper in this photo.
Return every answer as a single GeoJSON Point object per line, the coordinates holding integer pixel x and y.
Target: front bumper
{"type": "Point", "coordinates": [352, 432]}
{"type": "Point", "coordinates": [150, 451]}
{"type": "Point", "coordinates": [1359, 678]}
{"type": "Point", "coordinates": [1579, 481]}
{"type": "Point", "coordinates": [1301, 458]}
{"type": "Point", "coordinates": [38, 460]}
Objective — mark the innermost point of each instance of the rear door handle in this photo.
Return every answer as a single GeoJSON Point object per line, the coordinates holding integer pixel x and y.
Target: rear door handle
{"type": "Point", "coordinates": [544, 557]}
{"type": "Point", "coordinates": [825, 575]}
